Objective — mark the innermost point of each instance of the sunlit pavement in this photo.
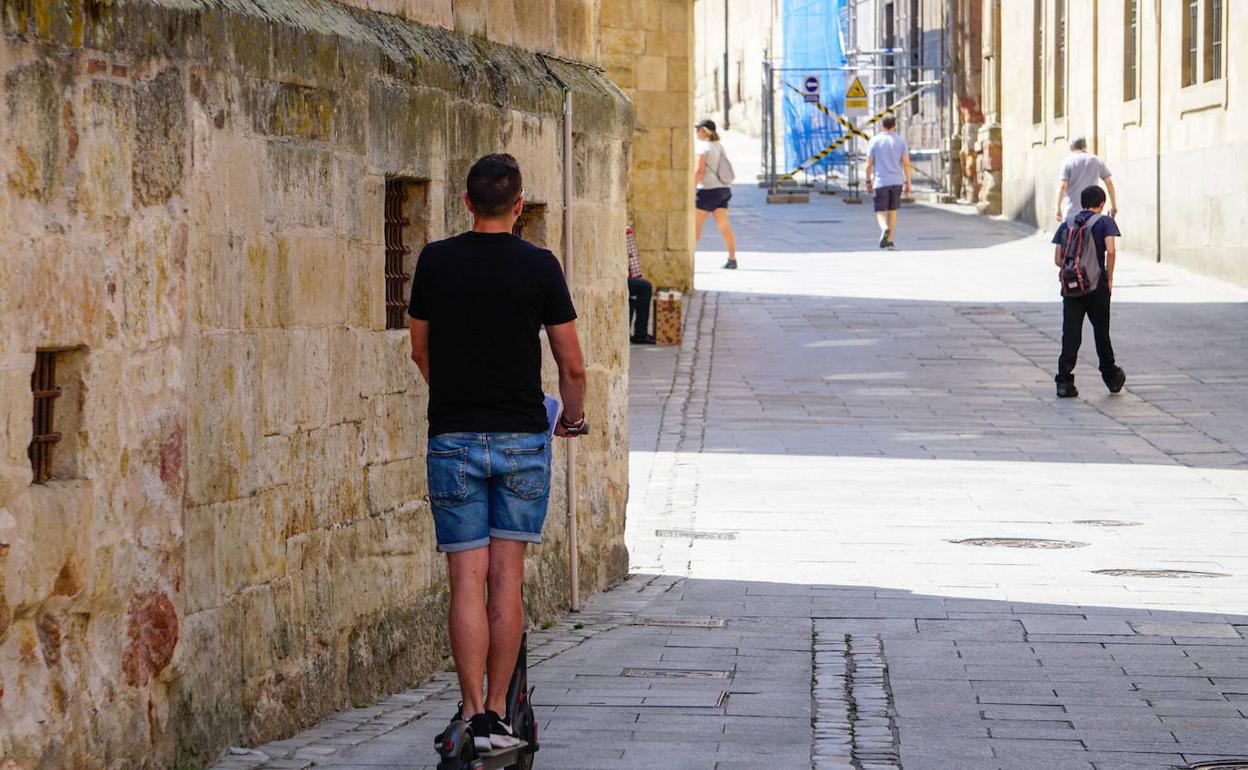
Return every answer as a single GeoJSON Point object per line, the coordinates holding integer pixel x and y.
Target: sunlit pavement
{"type": "Point", "coordinates": [803, 469]}
{"type": "Point", "coordinates": [841, 417]}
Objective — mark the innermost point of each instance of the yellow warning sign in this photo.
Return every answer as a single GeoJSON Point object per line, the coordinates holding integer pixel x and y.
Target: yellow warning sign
{"type": "Point", "coordinates": [856, 98]}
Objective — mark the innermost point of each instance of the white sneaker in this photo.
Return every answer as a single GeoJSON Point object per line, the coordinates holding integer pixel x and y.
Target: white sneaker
{"type": "Point", "coordinates": [501, 734]}
{"type": "Point", "coordinates": [481, 725]}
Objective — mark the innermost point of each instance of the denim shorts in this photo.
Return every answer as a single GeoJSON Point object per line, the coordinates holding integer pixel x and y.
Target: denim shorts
{"type": "Point", "coordinates": [484, 485]}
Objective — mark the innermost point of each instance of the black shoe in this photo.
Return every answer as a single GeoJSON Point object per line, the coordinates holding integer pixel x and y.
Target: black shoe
{"type": "Point", "coordinates": [730, 264]}
{"type": "Point", "coordinates": [1116, 379]}
{"type": "Point", "coordinates": [481, 727]}
{"type": "Point", "coordinates": [1067, 390]}
{"type": "Point", "coordinates": [642, 339]}
{"type": "Point", "coordinates": [886, 238]}
{"type": "Point", "coordinates": [501, 734]}
{"type": "Point", "coordinates": [891, 246]}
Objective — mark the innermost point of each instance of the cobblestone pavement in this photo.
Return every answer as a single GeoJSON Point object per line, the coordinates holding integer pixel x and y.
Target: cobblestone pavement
{"type": "Point", "coordinates": [868, 536]}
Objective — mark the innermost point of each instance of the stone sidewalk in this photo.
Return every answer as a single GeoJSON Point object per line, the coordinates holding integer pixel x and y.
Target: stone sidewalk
{"type": "Point", "coordinates": [866, 535]}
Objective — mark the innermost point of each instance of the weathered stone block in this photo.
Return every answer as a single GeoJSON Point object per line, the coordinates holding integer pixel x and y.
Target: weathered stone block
{"type": "Point", "coordinates": [221, 431]}
{"type": "Point", "coordinates": [251, 543]}
{"type": "Point", "coordinates": [39, 124]}
{"type": "Point", "coordinates": [160, 137]}
{"type": "Point", "coordinates": [346, 402]}
{"type": "Point", "coordinates": [651, 73]}
{"type": "Point", "coordinates": [395, 485]}
{"type": "Point", "coordinates": [534, 25]}
{"type": "Point", "coordinates": [390, 431]}
{"type": "Point", "coordinates": [289, 110]}
{"type": "Point", "coordinates": [299, 180]}
{"type": "Point", "coordinates": [106, 150]}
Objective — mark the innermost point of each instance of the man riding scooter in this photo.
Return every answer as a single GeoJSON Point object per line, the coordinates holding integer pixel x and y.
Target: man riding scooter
{"type": "Point", "coordinates": [478, 303]}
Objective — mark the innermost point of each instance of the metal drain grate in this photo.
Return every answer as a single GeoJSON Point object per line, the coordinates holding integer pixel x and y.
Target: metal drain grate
{"type": "Point", "coordinates": [1158, 573]}
{"type": "Point", "coordinates": [696, 534]}
{"type": "Point", "coordinates": [1038, 543]}
{"type": "Point", "coordinates": [1106, 523]}
{"type": "Point", "coordinates": [1220, 764]}
{"type": "Point", "coordinates": [675, 673]}
{"type": "Point", "coordinates": [684, 622]}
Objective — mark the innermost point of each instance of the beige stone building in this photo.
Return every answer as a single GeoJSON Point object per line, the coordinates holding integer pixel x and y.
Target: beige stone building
{"type": "Point", "coordinates": [647, 48]}
{"type": "Point", "coordinates": [1159, 90]}
{"type": "Point", "coordinates": [213, 517]}
{"type": "Point", "coordinates": [731, 90]}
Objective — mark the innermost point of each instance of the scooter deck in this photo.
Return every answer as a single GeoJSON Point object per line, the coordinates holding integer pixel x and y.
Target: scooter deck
{"type": "Point", "coordinates": [501, 758]}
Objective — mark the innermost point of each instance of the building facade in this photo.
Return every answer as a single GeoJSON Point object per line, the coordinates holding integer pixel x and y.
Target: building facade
{"type": "Point", "coordinates": [214, 525]}
{"type": "Point", "coordinates": [647, 49]}
{"type": "Point", "coordinates": [732, 42]}
{"type": "Point", "coordinates": [1150, 85]}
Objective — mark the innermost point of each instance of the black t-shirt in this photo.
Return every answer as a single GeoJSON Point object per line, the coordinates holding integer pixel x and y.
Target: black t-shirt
{"type": "Point", "coordinates": [486, 297]}
{"type": "Point", "coordinates": [1103, 228]}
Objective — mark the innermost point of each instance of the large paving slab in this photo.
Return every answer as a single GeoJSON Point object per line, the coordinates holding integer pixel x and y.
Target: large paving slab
{"type": "Point", "coordinates": [921, 558]}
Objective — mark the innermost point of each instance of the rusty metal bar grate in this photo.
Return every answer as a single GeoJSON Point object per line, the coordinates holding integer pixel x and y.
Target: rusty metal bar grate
{"type": "Point", "coordinates": [45, 391]}
{"type": "Point", "coordinates": [396, 251]}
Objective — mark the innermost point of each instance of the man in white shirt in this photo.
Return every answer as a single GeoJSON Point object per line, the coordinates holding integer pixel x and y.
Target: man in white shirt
{"type": "Point", "coordinates": [1082, 170]}
{"type": "Point", "coordinates": [888, 177]}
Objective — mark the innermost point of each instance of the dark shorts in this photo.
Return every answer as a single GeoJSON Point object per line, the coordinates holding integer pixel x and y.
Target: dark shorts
{"type": "Point", "coordinates": [888, 198]}
{"type": "Point", "coordinates": [717, 198]}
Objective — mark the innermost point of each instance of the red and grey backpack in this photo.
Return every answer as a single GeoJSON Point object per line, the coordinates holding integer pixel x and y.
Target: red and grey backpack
{"type": "Point", "coordinates": [1081, 270]}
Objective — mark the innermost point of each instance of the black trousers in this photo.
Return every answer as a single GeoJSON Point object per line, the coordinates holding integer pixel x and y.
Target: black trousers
{"type": "Point", "coordinates": [1095, 305]}
{"type": "Point", "coordinates": [639, 292]}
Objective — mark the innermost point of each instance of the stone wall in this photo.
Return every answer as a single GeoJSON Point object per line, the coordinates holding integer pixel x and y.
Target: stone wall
{"type": "Point", "coordinates": [1175, 150]}
{"type": "Point", "coordinates": [647, 48]}
{"type": "Point", "coordinates": [236, 539]}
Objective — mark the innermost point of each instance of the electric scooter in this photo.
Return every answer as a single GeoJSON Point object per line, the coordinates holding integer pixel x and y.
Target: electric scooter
{"type": "Point", "coordinates": [457, 750]}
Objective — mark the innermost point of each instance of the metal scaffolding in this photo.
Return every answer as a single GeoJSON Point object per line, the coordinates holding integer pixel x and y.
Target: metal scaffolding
{"type": "Point", "coordinates": [831, 152]}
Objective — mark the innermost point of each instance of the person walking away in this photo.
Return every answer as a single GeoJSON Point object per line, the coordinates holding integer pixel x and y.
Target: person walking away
{"type": "Point", "coordinates": [1082, 170]}
{"type": "Point", "coordinates": [1069, 238]}
{"type": "Point", "coordinates": [639, 293]}
{"type": "Point", "coordinates": [478, 302]}
{"type": "Point", "coordinates": [888, 177]}
{"type": "Point", "coordinates": [712, 176]}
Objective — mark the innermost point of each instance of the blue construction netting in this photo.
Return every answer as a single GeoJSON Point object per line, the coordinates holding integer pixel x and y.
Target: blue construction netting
{"type": "Point", "coordinates": [813, 44]}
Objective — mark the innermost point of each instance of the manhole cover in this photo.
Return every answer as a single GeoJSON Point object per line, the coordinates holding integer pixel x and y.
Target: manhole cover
{"type": "Point", "coordinates": [695, 534]}
{"type": "Point", "coordinates": [685, 622]}
{"type": "Point", "coordinates": [1020, 542]}
{"type": "Point", "coordinates": [675, 673]}
{"type": "Point", "coordinates": [1158, 573]}
{"type": "Point", "coordinates": [818, 221]}
{"type": "Point", "coordinates": [1220, 764]}
{"type": "Point", "coordinates": [1107, 523]}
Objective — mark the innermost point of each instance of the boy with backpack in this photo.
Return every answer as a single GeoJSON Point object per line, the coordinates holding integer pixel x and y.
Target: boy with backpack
{"type": "Point", "coordinates": [1085, 257]}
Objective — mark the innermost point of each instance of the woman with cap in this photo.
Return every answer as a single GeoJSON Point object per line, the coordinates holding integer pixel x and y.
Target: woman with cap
{"type": "Point", "coordinates": [713, 178]}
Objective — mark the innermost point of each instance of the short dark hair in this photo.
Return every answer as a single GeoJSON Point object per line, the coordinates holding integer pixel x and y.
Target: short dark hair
{"type": "Point", "coordinates": [889, 122]}
{"type": "Point", "coordinates": [494, 184]}
{"type": "Point", "coordinates": [1091, 197]}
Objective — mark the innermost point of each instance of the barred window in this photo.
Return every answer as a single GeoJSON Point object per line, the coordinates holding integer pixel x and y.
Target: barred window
{"type": "Point", "coordinates": [1130, 49]}
{"type": "Point", "coordinates": [1037, 63]}
{"type": "Point", "coordinates": [1213, 39]}
{"type": "Point", "coordinates": [1191, 49]}
{"type": "Point", "coordinates": [1059, 59]}
{"type": "Point", "coordinates": [45, 390]}
{"type": "Point", "coordinates": [531, 225]}
{"type": "Point", "coordinates": [406, 232]}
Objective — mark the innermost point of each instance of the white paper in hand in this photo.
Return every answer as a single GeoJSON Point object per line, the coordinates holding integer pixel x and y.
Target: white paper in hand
{"type": "Point", "coordinates": [553, 408]}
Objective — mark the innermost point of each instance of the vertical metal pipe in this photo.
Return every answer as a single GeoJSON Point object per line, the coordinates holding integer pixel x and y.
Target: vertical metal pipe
{"type": "Point", "coordinates": [726, 89]}
{"type": "Point", "coordinates": [574, 559]}
{"type": "Point", "coordinates": [1157, 81]}
{"type": "Point", "coordinates": [1096, 77]}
